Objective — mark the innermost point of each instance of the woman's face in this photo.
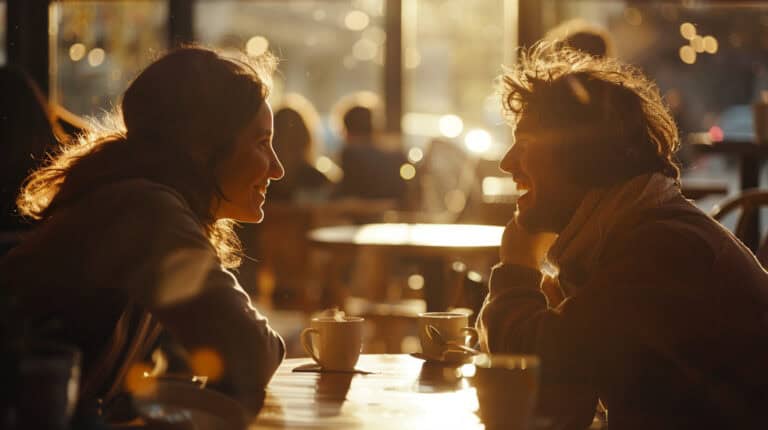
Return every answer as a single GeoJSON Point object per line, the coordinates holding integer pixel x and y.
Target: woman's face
{"type": "Point", "coordinates": [245, 175]}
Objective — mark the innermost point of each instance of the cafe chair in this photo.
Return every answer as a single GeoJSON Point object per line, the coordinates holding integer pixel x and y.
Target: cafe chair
{"type": "Point", "coordinates": [748, 205]}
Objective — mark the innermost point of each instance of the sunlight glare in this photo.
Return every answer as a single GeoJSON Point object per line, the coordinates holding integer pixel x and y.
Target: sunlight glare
{"type": "Point", "coordinates": [477, 141]}
{"type": "Point", "coordinates": [257, 45]}
{"type": "Point", "coordinates": [451, 125]}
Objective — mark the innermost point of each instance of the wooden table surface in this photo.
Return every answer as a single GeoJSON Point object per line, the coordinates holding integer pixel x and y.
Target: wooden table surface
{"type": "Point", "coordinates": [403, 393]}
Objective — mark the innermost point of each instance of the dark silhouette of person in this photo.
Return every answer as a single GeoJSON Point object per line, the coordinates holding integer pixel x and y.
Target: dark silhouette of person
{"type": "Point", "coordinates": [582, 36]}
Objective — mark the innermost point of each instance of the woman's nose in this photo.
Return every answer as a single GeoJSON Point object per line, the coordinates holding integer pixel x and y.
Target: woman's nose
{"type": "Point", "coordinates": [277, 171]}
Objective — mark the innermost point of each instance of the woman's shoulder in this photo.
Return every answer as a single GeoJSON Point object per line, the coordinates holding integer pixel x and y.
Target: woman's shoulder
{"type": "Point", "coordinates": [140, 205]}
{"type": "Point", "coordinates": [149, 193]}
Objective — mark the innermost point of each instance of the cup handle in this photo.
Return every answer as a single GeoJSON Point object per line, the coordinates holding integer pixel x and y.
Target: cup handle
{"type": "Point", "coordinates": [306, 342]}
{"type": "Point", "coordinates": [474, 336]}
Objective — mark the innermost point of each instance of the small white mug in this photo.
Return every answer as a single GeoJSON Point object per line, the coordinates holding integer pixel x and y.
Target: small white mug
{"type": "Point", "coordinates": [452, 328]}
{"type": "Point", "coordinates": [337, 342]}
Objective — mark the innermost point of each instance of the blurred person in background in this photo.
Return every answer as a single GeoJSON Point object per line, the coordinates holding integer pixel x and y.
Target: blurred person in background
{"type": "Point", "coordinates": [296, 144]}
{"type": "Point", "coordinates": [28, 133]}
{"type": "Point", "coordinates": [370, 172]}
{"type": "Point", "coordinates": [654, 307]}
{"type": "Point", "coordinates": [135, 232]}
{"type": "Point", "coordinates": [582, 36]}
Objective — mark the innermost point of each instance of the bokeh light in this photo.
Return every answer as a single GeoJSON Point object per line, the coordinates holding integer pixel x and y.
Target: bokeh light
{"type": "Point", "coordinates": [96, 57]}
{"type": "Point", "coordinates": [415, 282]}
{"type": "Point", "coordinates": [415, 155]}
{"type": "Point", "coordinates": [256, 45]}
{"type": "Point", "coordinates": [365, 50]}
{"type": "Point", "coordinates": [77, 51]}
{"type": "Point", "coordinates": [687, 54]}
{"type": "Point", "coordinates": [356, 20]}
{"type": "Point", "coordinates": [450, 125]}
{"type": "Point", "coordinates": [687, 30]}
{"type": "Point", "coordinates": [407, 171]}
{"type": "Point", "coordinates": [207, 362]}
{"type": "Point", "coordinates": [710, 44]}
{"type": "Point", "coordinates": [137, 381]}
{"type": "Point", "coordinates": [477, 141]}
{"type": "Point", "coordinates": [323, 164]}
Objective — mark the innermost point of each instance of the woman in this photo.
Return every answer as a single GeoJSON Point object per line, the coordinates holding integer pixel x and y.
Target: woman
{"type": "Point", "coordinates": [136, 228]}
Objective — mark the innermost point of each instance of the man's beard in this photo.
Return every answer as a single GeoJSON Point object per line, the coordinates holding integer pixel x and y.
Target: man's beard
{"type": "Point", "coordinates": [536, 219]}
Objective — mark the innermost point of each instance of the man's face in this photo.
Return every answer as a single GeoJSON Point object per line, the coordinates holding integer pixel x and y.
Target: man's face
{"type": "Point", "coordinates": [550, 198]}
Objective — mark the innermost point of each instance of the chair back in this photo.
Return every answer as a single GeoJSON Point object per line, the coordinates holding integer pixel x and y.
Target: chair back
{"type": "Point", "coordinates": [748, 205]}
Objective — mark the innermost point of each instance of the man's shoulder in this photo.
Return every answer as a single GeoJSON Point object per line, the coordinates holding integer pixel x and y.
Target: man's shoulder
{"type": "Point", "coordinates": [683, 234]}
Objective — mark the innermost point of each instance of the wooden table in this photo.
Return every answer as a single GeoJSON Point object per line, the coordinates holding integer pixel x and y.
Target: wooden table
{"type": "Point", "coordinates": [434, 244]}
{"type": "Point", "coordinates": [403, 393]}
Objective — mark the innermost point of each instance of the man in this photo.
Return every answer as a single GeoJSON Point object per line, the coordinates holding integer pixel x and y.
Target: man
{"type": "Point", "coordinates": [655, 308]}
{"type": "Point", "coordinates": [369, 171]}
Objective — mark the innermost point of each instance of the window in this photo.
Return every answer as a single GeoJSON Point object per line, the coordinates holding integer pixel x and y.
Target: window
{"type": "Point", "coordinates": [327, 50]}
{"type": "Point", "coordinates": [452, 52]}
{"type": "Point", "coordinates": [97, 47]}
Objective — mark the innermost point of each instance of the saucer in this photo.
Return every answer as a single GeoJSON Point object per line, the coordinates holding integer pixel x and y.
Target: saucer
{"type": "Point", "coordinates": [449, 357]}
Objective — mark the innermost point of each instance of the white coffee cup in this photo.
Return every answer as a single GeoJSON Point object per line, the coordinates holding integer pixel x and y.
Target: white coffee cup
{"type": "Point", "coordinates": [334, 342]}
{"type": "Point", "coordinates": [507, 387]}
{"type": "Point", "coordinates": [452, 328]}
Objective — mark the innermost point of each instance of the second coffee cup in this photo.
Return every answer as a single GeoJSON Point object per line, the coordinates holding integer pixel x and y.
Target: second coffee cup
{"type": "Point", "coordinates": [438, 331]}
{"type": "Point", "coordinates": [334, 342]}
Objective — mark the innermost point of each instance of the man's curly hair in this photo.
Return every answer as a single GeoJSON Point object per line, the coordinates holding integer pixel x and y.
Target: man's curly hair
{"type": "Point", "coordinates": [611, 115]}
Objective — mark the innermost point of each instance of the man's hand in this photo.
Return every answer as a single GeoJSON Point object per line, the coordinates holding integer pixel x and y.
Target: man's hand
{"type": "Point", "coordinates": [522, 248]}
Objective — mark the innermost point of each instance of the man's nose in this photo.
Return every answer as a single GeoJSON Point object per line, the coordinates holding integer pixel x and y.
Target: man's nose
{"type": "Point", "coordinates": [510, 161]}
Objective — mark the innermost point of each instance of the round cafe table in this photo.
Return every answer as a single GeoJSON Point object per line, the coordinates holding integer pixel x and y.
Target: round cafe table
{"type": "Point", "coordinates": [402, 392]}
{"type": "Point", "coordinates": [432, 244]}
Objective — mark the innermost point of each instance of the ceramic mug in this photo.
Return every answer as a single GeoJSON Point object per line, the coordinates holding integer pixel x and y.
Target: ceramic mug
{"type": "Point", "coordinates": [452, 327]}
{"type": "Point", "coordinates": [334, 342]}
{"type": "Point", "coordinates": [507, 388]}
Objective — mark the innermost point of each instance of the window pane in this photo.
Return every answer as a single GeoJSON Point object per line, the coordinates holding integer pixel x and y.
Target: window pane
{"type": "Point", "coordinates": [99, 46]}
{"type": "Point", "coordinates": [452, 52]}
{"type": "Point", "coordinates": [328, 50]}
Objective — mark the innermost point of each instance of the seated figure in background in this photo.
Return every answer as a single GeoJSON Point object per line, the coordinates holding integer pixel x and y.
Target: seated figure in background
{"type": "Point", "coordinates": [296, 145]}
{"type": "Point", "coordinates": [136, 229]}
{"type": "Point", "coordinates": [370, 172]}
{"type": "Point", "coordinates": [655, 308]}
{"type": "Point", "coordinates": [582, 36]}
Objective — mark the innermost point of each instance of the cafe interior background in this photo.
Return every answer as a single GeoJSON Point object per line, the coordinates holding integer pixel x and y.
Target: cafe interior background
{"type": "Point", "coordinates": [427, 68]}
